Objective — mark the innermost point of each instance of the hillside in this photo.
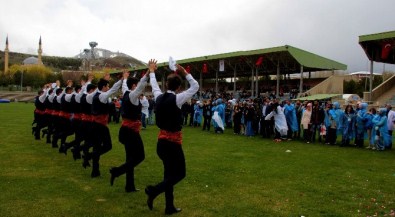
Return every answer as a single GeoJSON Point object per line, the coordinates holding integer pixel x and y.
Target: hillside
{"type": "Point", "coordinates": [104, 58]}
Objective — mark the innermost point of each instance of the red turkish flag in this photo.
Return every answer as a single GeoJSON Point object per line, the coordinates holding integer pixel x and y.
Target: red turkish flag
{"type": "Point", "coordinates": [385, 51]}
{"type": "Point", "coordinates": [259, 61]}
{"type": "Point", "coordinates": [188, 69]}
{"type": "Point", "coordinates": [204, 70]}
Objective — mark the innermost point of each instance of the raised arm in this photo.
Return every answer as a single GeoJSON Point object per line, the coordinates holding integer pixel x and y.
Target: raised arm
{"type": "Point", "coordinates": [103, 97]}
{"type": "Point", "coordinates": [44, 95]}
{"type": "Point", "coordinates": [187, 94]}
{"type": "Point", "coordinates": [133, 95]}
{"type": "Point", "coordinates": [154, 84]}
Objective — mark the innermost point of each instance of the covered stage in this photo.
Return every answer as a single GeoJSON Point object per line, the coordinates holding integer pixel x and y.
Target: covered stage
{"type": "Point", "coordinates": [279, 61]}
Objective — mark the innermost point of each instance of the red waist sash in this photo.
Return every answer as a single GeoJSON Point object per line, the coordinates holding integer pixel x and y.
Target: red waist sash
{"type": "Point", "coordinates": [77, 116]}
{"type": "Point", "coordinates": [100, 119]}
{"type": "Point", "coordinates": [64, 115]}
{"type": "Point", "coordinates": [86, 117]}
{"type": "Point", "coordinates": [134, 125]}
{"type": "Point", "coordinates": [48, 111]}
{"type": "Point", "coordinates": [40, 112]}
{"type": "Point", "coordinates": [175, 137]}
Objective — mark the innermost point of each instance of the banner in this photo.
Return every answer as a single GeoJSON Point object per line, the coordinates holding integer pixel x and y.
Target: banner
{"type": "Point", "coordinates": [204, 70]}
{"type": "Point", "coordinates": [221, 65]}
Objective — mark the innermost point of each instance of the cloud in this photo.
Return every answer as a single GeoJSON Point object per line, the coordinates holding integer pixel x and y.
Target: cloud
{"type": "Point", "coordinates": [184, 29]}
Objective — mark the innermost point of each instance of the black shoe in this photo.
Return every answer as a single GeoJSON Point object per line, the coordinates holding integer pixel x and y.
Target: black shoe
{"type": "Point", "coordinates": [63, 149]}
{"type": "Point", "coordinates": [86, 164]}
{"type": "Point", "coordinates": [172, 210]}
{"type": "Point", "coordinates": [112, 172]}
{"type": "Point", "coordinates": [128, 190]}
{"type": "Point", "coordinates": [95, 173]}
{"type": "Point", "coordinates": [76, 153]}
{"type": "Point", "coordinates": [45, 132]}
{"type": "Point", "coordinates": [150, 201]}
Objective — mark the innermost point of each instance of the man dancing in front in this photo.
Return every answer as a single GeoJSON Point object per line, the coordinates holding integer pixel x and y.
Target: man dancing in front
{"type": "Point", "coordinates": [129, 133]}
{"type": "Point", "coordinates": [169, 145]}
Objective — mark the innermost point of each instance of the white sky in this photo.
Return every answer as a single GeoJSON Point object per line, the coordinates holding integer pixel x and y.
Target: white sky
{"type": "Point", "coordinates": [183, 29]}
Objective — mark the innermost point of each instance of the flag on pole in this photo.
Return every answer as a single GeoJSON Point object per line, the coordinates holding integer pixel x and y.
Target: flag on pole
{"type": "Point", "coordinates": [385, 51]}
{"type": "Point", "coordinates": [222, 65]}
{"type": "Point", "coordinates": [172, 64]}
{"type": "Point", "coordinates": [204, 70]}
{"type": "Point", "coordinates": [188, 69]}
{"type": "Point", "coordinates": [259, 61]}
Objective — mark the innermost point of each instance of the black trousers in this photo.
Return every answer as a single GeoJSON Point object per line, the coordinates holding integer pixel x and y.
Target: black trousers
{"type": "Point", "coordinates": [40, 124]}
{"type": "Point", "coordinates": [206, 123]}
{"type": "Point", "coordinates": [134, 150]}
{"type": "Point", "coordinates": [236, 126]}
{"type": "Point", "coordinates": [101, 141]}
{"type": "Point", "coordinates": [266, 128]}
{"type": "Point", "coordinates": [86, 129]}
{"type": "Point", "coordinates": [173, 160]}
{"type": "Point", "coordinates": [331, 136]}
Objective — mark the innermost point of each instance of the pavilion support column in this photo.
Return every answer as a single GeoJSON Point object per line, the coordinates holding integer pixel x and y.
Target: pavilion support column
{"type": "Point", "coordinates": [252, 82]}
{"type": "Point", "coordinates": [278, 80]}
{"type": "Point", "coordinates": [257, 83]}
{"type": "Point", "coordinates": [216, 81]}
{"type": "Point", "coordinates": [371, 80]}
{"type": "Point", "coordinates": [234, 81]}
{"type": "Point", "coordinates": [301, 80]}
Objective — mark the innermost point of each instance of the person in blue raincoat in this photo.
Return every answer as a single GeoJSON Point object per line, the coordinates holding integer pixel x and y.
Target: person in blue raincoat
{"type": "Point", "coordinates": [331, 126]}
{"type": "Point", "coordinates": [339, 116]}
{"type": "Point", "coordinates": [374, 118]}
{"type": "Point", "coordinates": [220, 108]}
{"type": "Point", "coordinates": [382, 138]}
{"type": "Point", "coordinates": [292, 121]}
{"type": "Point", "coordinates": [348, 123]}
{"type": "Point", "coordinates": [361, 120]}
{"type": "Point", "coordinates": [197, 116]}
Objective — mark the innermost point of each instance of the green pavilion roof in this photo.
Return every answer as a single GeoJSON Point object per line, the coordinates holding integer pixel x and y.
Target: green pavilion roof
{"type": "Point", "coordinates": [374, 44]}
{"type": "Point", "coordinates": [287, 58]}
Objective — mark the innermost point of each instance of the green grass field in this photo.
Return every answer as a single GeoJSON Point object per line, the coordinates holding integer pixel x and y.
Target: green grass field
{"type": "Point", "coordinates": [227, 175]}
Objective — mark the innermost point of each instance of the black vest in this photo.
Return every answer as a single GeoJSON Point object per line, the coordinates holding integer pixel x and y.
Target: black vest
{"type": "Point", "coordinates": [85, 107]}
{"type": "Point", "coordinates": [55, 104]}
{"type": "Point", "coordinates": [168, 115]}
{"type": "Point", "coordinates": [74, 105]}
{"type": "Point", "coordinates": [129, 110]}
{"type": "Point", "coordinates": [39, 105]}
{"type": "Point", "coordinates": [99, 108]}
{"type": "Point", "coordinates": [48, 104]}
{"type": "Point", "coordinates": [65, 106]}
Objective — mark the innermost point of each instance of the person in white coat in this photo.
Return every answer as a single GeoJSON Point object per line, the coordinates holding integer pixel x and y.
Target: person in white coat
{"type": "Point", "coordinates": [144, 110]}
{"type": "Point", "coordinates": [280, 123]}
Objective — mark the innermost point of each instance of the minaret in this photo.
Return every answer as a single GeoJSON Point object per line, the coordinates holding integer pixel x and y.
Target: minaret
{"type": "Point", "coordinates": [40, 52]}
{"type": "Point", "coordinates": [6, 57]}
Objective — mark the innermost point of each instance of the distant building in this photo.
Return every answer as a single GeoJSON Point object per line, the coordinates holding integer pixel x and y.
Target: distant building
{"type": "Point", "coordinates": [31, 61]}
{"type": "Point", "coordinates": [6, 55]}
{"type": "Point", "coordinates": [27, 61]}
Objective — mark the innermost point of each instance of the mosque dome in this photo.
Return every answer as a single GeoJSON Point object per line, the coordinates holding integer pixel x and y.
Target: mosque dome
{"type": "Point", "coordinates": [30, 61]}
